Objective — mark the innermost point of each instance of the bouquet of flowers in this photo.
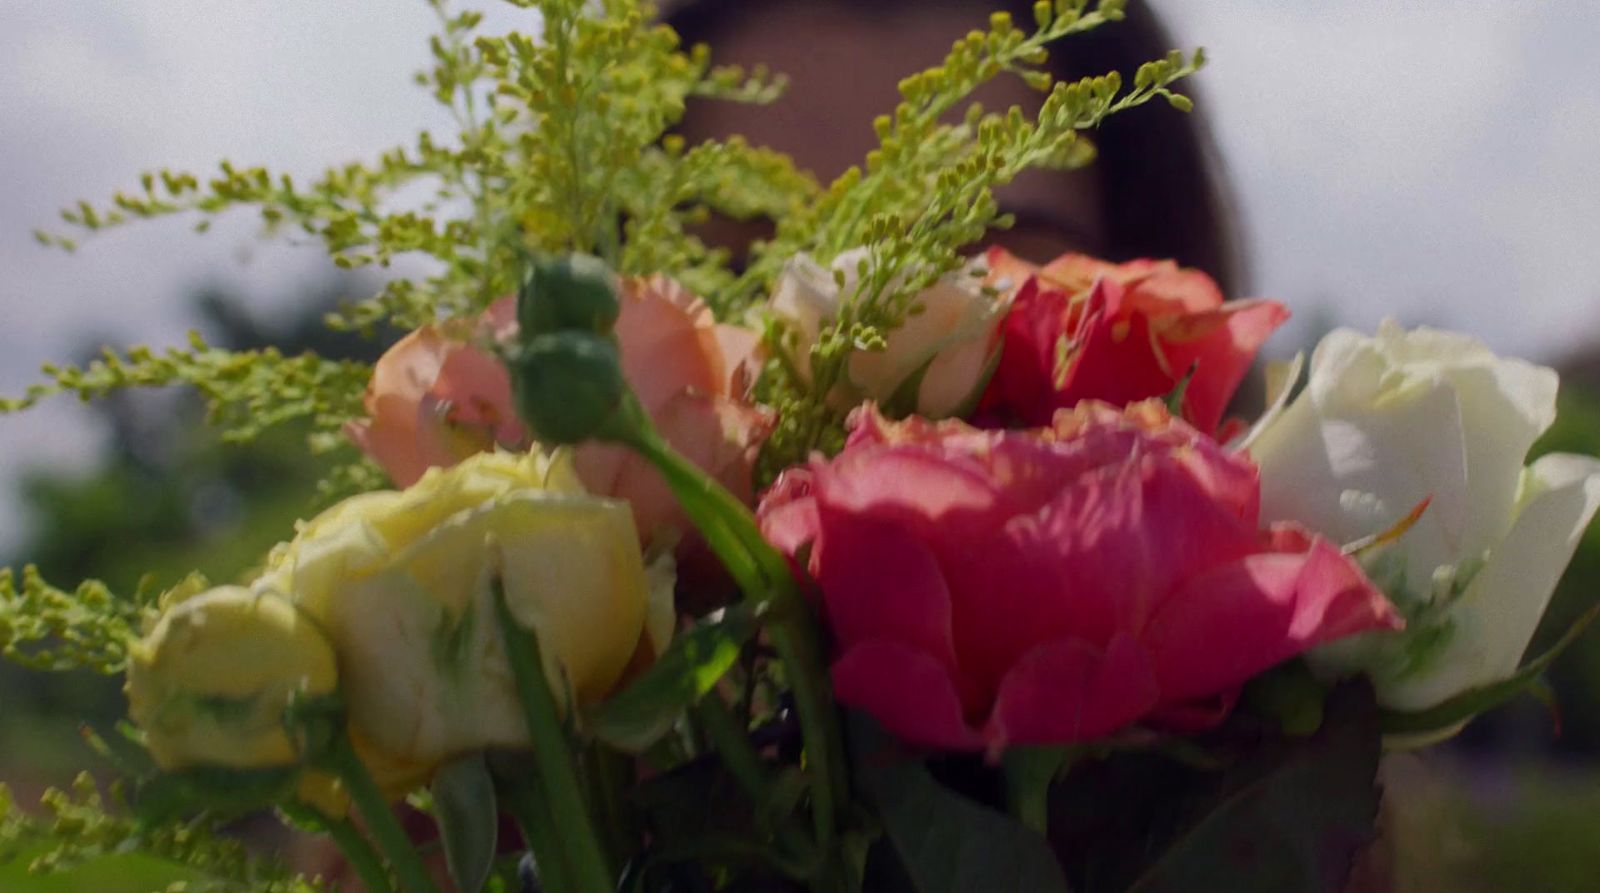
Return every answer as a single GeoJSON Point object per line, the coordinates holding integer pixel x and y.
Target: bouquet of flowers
{"type": "Point", "coordinates": [869, 559]}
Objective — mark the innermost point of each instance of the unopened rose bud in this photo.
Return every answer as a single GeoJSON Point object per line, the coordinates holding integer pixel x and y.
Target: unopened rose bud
{"type": "Point", "coordinates": [568, 385]}
{"type": "Point", "coordinates": [211, 682]}
{"type": "Point", "coordinates": [573, 292]}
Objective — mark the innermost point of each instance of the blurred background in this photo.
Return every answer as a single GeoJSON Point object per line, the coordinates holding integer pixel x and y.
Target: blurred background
{"type": "Point", "coordinates": [1431, 161]}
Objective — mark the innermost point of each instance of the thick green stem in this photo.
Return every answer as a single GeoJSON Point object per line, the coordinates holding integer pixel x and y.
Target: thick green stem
{"type": "Point", "coordinates": [357, 851]}
{"type": "Point", "coordinates": [731, 531]}
{"type": "Point", "coordinates": [559, 783]}
{"type": "Point", "coordinates": [391, 839]}
{"type": "Point", "coordinates": [733, 744]}
{"type": "Point", "coordinates": [744, 763]}
{"type": "Point", "coordinates": [521, 793]}
{"type": "Point", "coordinates": [610, 776]}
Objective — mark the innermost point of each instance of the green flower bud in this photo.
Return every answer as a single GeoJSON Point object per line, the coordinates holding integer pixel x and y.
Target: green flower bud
{"type": "Point", "coordinates": [212, 681]}
{"type": "Point", "coordinates": [574, 292]}
{"type": "Point", "coordinates": [568, 385]}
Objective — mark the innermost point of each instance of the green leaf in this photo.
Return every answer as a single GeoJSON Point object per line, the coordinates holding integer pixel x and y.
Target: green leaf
{"type": "Point", "coordinates": [1468, 704]}
{"type": "Point", "coordinates": [468, 819]}
{"type": "Point", "coordinates": [946, 842]}
{"type": "Point", "coordinates": [1296, 826]}
{"type": "Point", "coordinates": [638, 717]}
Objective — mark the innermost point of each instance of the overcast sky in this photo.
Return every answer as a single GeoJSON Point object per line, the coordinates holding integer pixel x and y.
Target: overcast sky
{"type": "Point", "coordinates": [1432, 159]}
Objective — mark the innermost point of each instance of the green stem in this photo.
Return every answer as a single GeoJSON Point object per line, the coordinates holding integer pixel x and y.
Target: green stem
{"type": "Point", "coordinates": [609, 776]}
{"type": "Point", "coordinates": [391, 839]}
{"type": "Point", "coordinates": [738, 754]}
{"type": "Point", "coordinates": [731, 531]}
{"type": "Point", "coordinates": [525, 801]}
{"type": "Point", "coordinates": [747, 768]}
{"type": "Point", "coordinates": [819, 724]}
{"type": "Point", "coordinates": [573, 821]}
{"type": "Point", "coordinates": [357, 851]}
{"type": "Point", "coordinates": [1031, 807]}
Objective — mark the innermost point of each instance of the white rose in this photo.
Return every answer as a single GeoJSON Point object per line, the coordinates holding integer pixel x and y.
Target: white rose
{"type": "Point", "coordinates": [1387, 422]}
{"type": "Point", "coordinates": [950, 343]}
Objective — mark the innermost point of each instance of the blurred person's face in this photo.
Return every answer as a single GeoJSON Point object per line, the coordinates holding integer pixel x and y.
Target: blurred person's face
{"type": "Point", "coordinates": [844, 67]}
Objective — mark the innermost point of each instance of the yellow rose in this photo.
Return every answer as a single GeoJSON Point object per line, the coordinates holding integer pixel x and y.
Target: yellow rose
{"type": "Point", "coordinates": [403, 582]}
{"type": "Point", "coordinates": [210, 683]}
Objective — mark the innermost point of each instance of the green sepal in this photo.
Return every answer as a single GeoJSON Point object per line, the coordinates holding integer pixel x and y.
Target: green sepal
{"type": "Point", "coordinates": [1029, 773]}
{"type": "Point", "coordinates": [1174, 397]}
{"type": "Point", "coordinates": [639, 716]}
{"type": "Point", "coordinates": [468, 817]}
{"type": "Point", "coordinates": [165, 796]}
{"type": "Point", "coordinates": [1289, 695]}
{"type": "Point", "coordinates": [903, 402]}
{"type": "Point", "coordinates": [1468, 704]}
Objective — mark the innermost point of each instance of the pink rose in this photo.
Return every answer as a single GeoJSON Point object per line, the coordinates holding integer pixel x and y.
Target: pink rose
{"type": "Point", "coordinates": [1084, 329]}
{"type": "Point", "coordinates": [990, 588]}
{"type": "Point", "coordinates": [438, 396]}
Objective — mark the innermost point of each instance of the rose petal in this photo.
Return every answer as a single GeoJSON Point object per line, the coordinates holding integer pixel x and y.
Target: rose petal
{"type": "Point", "coordinates": [1068, 690]}
{"type": "Point", "coordinates": [880, 583]}
{"type": "Point", "coordinates": [788, 512]}
{"type": "Point", "coordinates": [669, 342]}
{"type": "Point", "coordinates": [932, 493]}
{"type": "Point", "coordinates": [1220, 345]}
{"type": "Point", "coordinates": [1497, 615]}
{"type": "Point", "coordinates": [906, 691]}
{"type": "Point", "coordinates": [1116, 357]}
{"type": "Point", "coordinates": [1238, 619]}
{"type": "Point", "coordinates": [716, 434]}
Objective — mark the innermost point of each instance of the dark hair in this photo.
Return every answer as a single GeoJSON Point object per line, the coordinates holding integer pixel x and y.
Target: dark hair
{"type": "Point", "coordinates": [1163, 189]}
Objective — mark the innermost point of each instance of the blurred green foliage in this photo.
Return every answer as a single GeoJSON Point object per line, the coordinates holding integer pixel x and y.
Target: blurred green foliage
{"type": "Point", "coordinates": [115, 874]}
{"type": "Point", "coordinates": [168, 498]}
{"type": "Point", "coordinates": [1486, 827]}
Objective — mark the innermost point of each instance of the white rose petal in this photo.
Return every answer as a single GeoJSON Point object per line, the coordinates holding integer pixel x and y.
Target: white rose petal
{"type": "Point", "coordinates": [1497, 615]}
{"type": "Point", "coordinates": [949, 343]}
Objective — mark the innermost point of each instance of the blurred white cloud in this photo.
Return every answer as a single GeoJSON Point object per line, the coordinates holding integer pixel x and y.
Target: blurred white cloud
{"type": "Point", "coordinates": [1426, 159]}
{"type": "Point", "coordinates": [1429, 159]}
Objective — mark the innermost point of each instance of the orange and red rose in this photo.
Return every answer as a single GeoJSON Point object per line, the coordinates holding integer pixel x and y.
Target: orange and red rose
{"type": "Point", "coordinates": [1081, 328]}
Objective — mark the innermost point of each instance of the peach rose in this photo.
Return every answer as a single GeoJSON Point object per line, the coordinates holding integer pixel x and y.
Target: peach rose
{"type": "Point", "coordinates": [439, 396]}
{"type": "Point", "coordinates": [692, 375]}
{"type": "Point", "coordinates": [436, 398]}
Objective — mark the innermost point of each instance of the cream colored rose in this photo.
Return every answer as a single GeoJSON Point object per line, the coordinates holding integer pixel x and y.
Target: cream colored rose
{"type": "Point", "coordinates": [404, 584]}
{"type": "Point", "coordinates": [211, 682]}
{"type": "Point", "coordinates": [1388, 421]}
{"type": "Point", "coordinates": [949, 342]}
